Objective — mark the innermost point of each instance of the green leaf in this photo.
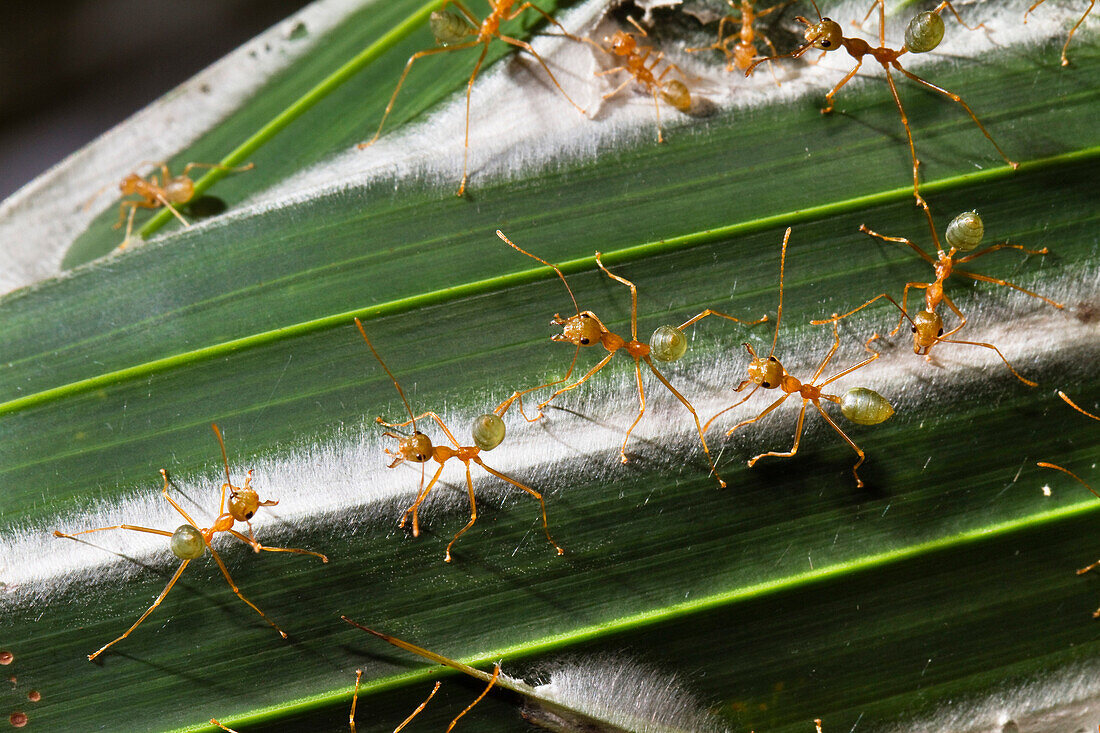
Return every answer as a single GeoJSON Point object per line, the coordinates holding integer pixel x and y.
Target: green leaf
{"type": "Point", "coordinates": [788, 596]}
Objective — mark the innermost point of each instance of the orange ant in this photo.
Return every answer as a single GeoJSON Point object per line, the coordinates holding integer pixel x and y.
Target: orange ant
{"type": "Point", "coordinates": [1065, 61]}
{"type": "Point", "coordinates": [586, 329]}
{"type": "Point", "coordinates": [450, 30]}
{"type": "Point", "coordinates": [964, 233]}
{"type": "Point", "coordinates": [1075, 477]}
{"type": "Point", "coordinates": [167, 190]}
{"type": "Point", "coordinates": [417, 448]}
{"type": "Point", "coordinates": [744, 50]}
{"type": "Point", "coordinates": [923, 34]}
{"type": "Point", "coordinates": [490, 679]}
{"type": "Point", "coordinates": [189, 541]}
{"type": "Point", "coordinates": [634, 57]}
{"type": "Point", "coordinates": [355, 701]}
{"type": "Point", "coordinates": [860, 405]}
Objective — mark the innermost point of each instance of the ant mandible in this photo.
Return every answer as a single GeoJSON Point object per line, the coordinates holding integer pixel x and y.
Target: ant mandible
{"type": "Point", "coordinates": [168, 191]}
{"type": "Point", "coordinates": [964, 233]}
{"type": "Point", "coordinates": [586, 329]}
{"type": "Point", "coordinates": [417, 448]}
{"type": "Point", "coordinates": [634, 57]}
{"type": "Point", "coordinates": [1075, 477]}
{"type": "Point", "coordinates": [450, 30]}
{"type": "Point", "coordinates": [860, 405]}
{"type": "Point", "coordinates": [744, 50]}
{"type": "Point", "coordinates": [1065, 61]}
{"type": "Point", "coordinates": [190, 542]}
{"type": "Point", "coordinates": [923, 34]}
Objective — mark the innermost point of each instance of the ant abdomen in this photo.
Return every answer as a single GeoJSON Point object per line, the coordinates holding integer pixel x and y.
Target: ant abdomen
{"type": "Point", "coordinates": [865, 406]}
{"type": "Point", "coordinates": [488, 431]}
{"type": "Point", "coordinates": [965, 231]}
{"type": "Point", "coordinates": [667, 343]}
{"type": "Point", "coordinates": [676, 93]}
{"type": "Point", "coordinates": [924, 32]}
{"type": "Point", "coordinates": [188, 543]}
{"type": "Point", "coordinates": [449, 28]}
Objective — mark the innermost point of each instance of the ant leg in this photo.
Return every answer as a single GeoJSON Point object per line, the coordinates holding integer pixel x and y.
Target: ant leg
{"type": "Point", "coordinates": [641, 410]}
{"type": "Point", "coordinates": [856, 448]}
{"type": "Point", "coordinates": [237, 590]}
{"type": "Point", "coordinates": [257, 546]}
{"type": "Point", "coordinates": [178, 508]}
{"type": "Point", "coordinates": [416, 712]}
{"type": "Point", "coordinates": [947, 4]}
{"type": "Point", "coordinates": [954, 309]}
{"type": "Point", "coordinates": [518, 395]}
{"type": "Point", "coordinates": [767, 409]}
{"type": "Point", "coordinates": [830, 355]}
{"type": "Point", "coordinates": [415, 507]}
{"type": "Point", "coordinates": [355, 699]}
{"type": "Point", "coordinates": [466, 139]}
{"type": "Point", "coordinates": [657, 110]}
{"type": "Point", "coordinates": [464, 10]}
{"type": "Point", "coordinates": [832, 93]}
{"type": "Point", "coordinates": [912, 148]}
{"type": "Point", "coordinates": [735, 404]}
{"type": "Point", "coordinates": [710, 312]}
{"type": "Point", "coordinates": [214, 721]}
{"type": "Point", "coordinates": [1034, 5]}
{"type": "Point", "coordinates": [401, 81]}
{"type": "Point", "coordinates": [173, 209]}
{"type": "Point", "coordinates": [600, 365]}
{"type": "Point", "coordinates": [1015, 373]}
{"type": "Point", "coordinates": [532, 492]}
{"type": "Point", "coordinates": [694, 415]}
{"type": "Point", "coordinates": [995, 281]}
{"type": "Point", "coordinates": [849, 370]}
{"type": "Point", "coordinates": [145, 615]}
{"type": "Point", "coordinates": [430, 414]}
{"type": "Point", "coordinates": [617, 89]}
{"type": "Point", "coordinates": [900, 240]}
{"type": "Point", "coordinates": [1071, 403]}
{"type": "Point", "coordinates": [492, 681]}
{"type": "Point", "coordinates": [550, 19]}
{"type": "Point", "coordinates": [1065, 61]}
{"type": "Point", "coordinates": [633, 297]}
{"type": "Point", "coordinates": [836, 318]}
{"type": "Point", "coordinates": [1002, 245]}
{"type": "Point", "coordinates": [797, 439]}
{"type": "Point", "coordinates": [218, 167]}
{"type": "Point", "coordinates": [959, 100]}
{"type": "Point", "coordinates": [905, 304]}
{"type": "Point", "coordinates": [473, 514]}
{"type": "Point", "coordinates": [129, 222]}
{"type": "Point", "coordinates": [135, 528]}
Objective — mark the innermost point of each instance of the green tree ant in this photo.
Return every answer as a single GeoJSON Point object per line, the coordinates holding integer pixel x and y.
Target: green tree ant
{"type": "Point", "coordinates": [451, 31]}
{"type": "Point", "coordinates": [862, 406]}
{"type": "Point", "coordinates": [963, 234]}
{"type": "Point", "coordinates": [417, 448]}
{"type": "Point", "coordinates": [586, 329]}
{"type": "Point", "coordinates": [1065, 61]}
{"type": "Point", "coordinates": [190, 542]}
{"type": "Point", "coordinates": [1075, 477]}
{"type": "Point", "coordinates": [634, 56]}
{"type": "Point", "coordinates": [744, 50]}
{"type": "Point", "coordinates": [923, 34]}
{"type": "Point", "coordinates": [167, 190]}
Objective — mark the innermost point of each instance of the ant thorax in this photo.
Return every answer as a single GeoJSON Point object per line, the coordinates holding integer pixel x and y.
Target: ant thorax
{"type": "Point", "coordinates": [582, 329]}
{"type": "Point", "coordinates": [768, 373]}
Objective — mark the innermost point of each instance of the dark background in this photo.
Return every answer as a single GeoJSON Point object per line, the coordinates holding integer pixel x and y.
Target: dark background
{"type": "Point", "coordinates": [72, 69]}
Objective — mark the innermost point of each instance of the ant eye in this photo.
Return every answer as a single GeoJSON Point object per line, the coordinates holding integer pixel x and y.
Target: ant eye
{"type": "Point", "coordinates": [584, 341]}
{"type": "Point", "coordinates": [248, 516]}
{"type": "Point", "coordinates": [765, 385]}
{"type": "Point", "coordinates": [940, 333]}
{"type": "Point", "coordinates": [826, 20]}
{"type": "Point", "coordinates": [585, 315]}
{"type": "Point", "coordinates": [825, 44]}
{"type": "Point", "coordinates": [772, 358]}
{"type": "Point", "coordinates": [913, 329]}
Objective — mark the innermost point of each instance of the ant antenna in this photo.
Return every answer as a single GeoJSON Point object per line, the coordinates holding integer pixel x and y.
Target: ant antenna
{"type": "Point", "coordinates": [1071, 403]}
{"type": "Point", "coordinates": [779, 313]}
{"type": "Point", "coordinates": [630, 19]}
{"type": "Point", "coordinates": [400, 391]}
{"type": "Point", "coordinates": [555, 267]}
{"type": "Point", "coordinates": [225, 459]}
{"type": "Point", "coordinates": [1071, 474]}
{"type": "Point", "coordinates": [817, 9]}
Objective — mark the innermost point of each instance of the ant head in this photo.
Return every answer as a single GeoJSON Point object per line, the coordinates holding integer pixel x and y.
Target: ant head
{"type": "Point", "coordinates": [622, 43]}
{"type": "Point", "coordinates": [243, 502]}
{"type": "Point", "coordinates": [826, 35]}
{"type": "Point", "coordinates": [927, 329]}
{"type": "Point", "coordinates": [179, 190]}
{"type": "Point", "coordinates": [416, 447]}
{"type": "Point", "coordinates": [582, 329]}
{"type": "Point", "coordinates": [130, 183]}
{"type": "Point", "coordinates": [766, 373]}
